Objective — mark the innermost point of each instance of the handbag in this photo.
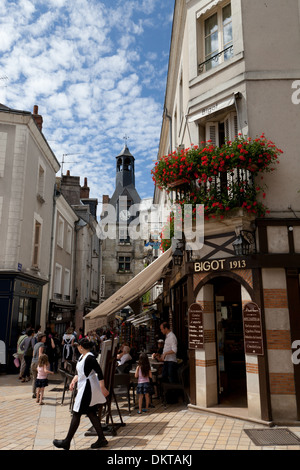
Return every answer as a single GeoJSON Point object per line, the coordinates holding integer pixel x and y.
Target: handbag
{"type": "Point", "coordinates": [17, 362]}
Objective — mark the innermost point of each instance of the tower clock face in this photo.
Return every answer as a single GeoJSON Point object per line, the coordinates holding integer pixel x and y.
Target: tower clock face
{"type": "Point", "coordinates": [124, 215]}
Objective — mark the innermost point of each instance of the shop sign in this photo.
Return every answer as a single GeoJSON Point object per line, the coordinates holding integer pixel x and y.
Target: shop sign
{"type": "Point", "coordinates": [225, 264]}
{"type": "Point", "coordinates": [196, 332]}
{"type": "Point", "coordinates": [102, 285]}
{"type": "Point", "coordinates": [253, 338]}
{"type": "Point", "coordinates": [27, 288]}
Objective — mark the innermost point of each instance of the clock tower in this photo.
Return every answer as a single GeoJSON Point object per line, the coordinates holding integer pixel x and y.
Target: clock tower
{"type": "Point", "coordinates": [125, 194]}
{"type": "Point", "coordinates": [123, 257]}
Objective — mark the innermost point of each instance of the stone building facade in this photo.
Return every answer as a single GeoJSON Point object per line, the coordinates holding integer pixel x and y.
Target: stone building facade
{"type": "Point", "coordinates": [233, 70]}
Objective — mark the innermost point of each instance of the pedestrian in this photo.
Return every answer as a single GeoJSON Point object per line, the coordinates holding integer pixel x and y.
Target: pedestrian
{"type": "Point", "coordinates": [91, 392]}
{"type": "Point", "coordinates": [144, 388]}
{"type": "Point", "coordinates": [68, 341]}
{"type": "Point", "coordinates": [20, 354]}
{"type": "Point", "coordinates": [42, 377]}
{"type": "Point", "coordinates": [56, 353]}
{"type": "Point", "coordinates": [50, 348]}
{"type": "Point", "coordinates": [168, 357]}
{"type": "Point", "coordinates": [27, 347]}
{"type": "Point", "coordinates": [39, 348]}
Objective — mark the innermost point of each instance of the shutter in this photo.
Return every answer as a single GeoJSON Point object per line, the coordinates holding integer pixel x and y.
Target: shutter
{"type": "Point", "coordinates": [212, 132]}
{"type": "Point", "coordinates": [231, 126]}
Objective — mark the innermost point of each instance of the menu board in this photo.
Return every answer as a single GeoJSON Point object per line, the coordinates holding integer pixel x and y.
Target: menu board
{"type": "Point", "coordinates": [253, 338]}
{"type": "Point", "coordinates": [196, 333]}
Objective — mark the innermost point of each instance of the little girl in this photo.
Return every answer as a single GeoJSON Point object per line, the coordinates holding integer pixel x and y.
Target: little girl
{"type": "Point", "coordinates": [143, 374]}
{"type": "Point", "coordinates": [42, 380]}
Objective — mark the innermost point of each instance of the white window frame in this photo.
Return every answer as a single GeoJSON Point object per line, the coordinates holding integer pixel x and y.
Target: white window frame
{"type": "Point", "coordinates": [57, 279]}
{"type": "Point", "coordinates": [230, 129]}
{"type": "Point", "coordinates": [69, 238]}
{"type": "Point", "coordinates": [36, 243]}
{"type": "Point", "coordinates": [67, 283]}
{"type": "Point", "coordinates": [202, 57]}
{"type": "Point", "coordinates": [60, 232]}
{"type": "Point", "coordinates": [41, 179]}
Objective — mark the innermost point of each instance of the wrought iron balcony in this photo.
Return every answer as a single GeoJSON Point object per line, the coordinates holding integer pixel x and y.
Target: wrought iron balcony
{"type": "Point", "coordinates": [215, 59]}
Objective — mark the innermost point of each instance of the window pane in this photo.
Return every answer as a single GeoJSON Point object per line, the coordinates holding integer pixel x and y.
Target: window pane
{"type": "Point", "coordinates": [227, 14]}
{"type": "Point", "coordinates": [211, 45]}
{"type": "Point", "coordinates": [211, 25]}
{"type": "Point", "coordinates": [211, 40]}
{"type": "Point", "coordinates": [227, 31]}
{"type": "Point", "coordinates": [227, 34]}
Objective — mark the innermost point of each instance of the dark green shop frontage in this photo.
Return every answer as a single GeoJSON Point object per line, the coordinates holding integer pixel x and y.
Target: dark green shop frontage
{"type": "Point", "coordinates": [20, 305]}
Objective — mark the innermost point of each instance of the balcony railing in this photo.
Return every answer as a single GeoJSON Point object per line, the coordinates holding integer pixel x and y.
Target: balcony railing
{"type": "Point", "coordinates": [207, 64]}
{"type": "Point", "coordinates": [234, 185]}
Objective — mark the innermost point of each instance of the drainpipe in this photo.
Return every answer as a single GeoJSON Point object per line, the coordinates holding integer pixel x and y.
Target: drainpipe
{"type": "Point", "coordinates": [50, 290]}
{"type": "Point", "coordinates": [238, 97]}
{"type": "Point", "coordinates": [170, 119]}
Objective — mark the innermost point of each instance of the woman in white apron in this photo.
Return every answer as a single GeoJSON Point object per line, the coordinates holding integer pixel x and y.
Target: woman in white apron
{"type": "Point", "coordinates": [91, 393]}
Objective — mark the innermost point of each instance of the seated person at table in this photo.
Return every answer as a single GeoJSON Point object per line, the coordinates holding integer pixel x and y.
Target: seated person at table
{"type": "Point", "coordinates": [124, 356]}
{"type": "Point", "coordinates": [120, 350]}
{"type": "Point", "coordinates": [160, 348]}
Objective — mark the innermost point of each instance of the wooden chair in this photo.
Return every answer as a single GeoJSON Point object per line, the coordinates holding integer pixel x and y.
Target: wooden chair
{"type": "Point", "coordinates": [122, 387]}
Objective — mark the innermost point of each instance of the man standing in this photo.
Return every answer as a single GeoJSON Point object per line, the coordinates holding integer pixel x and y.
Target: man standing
{"type": "Point", "coordinates": [169, 354]}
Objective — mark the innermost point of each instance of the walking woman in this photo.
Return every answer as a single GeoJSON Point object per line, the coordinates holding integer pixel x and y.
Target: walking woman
{"type": "Point", "coordinates": [91, 393]}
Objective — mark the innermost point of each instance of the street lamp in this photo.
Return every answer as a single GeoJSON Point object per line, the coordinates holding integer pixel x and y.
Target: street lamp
{"type": "Point", "coordinates": [245, 243]}
{"type": "Point", "coordinates": [177, 257]}
{"type": "Point", "coordinates": [177, 251]}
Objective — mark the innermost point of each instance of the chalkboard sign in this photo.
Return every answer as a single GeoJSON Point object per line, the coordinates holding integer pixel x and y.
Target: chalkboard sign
{"type": "Point", "coordinates": [253, 338]}
{"type": "Point", "coordinates": [196, 333]}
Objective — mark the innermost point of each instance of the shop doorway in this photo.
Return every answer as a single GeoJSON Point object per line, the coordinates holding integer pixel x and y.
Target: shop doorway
{"type": "Point", "coordinates": [232, 390]}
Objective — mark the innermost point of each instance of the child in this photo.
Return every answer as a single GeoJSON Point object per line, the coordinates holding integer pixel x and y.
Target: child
{"type": "Point", "coordinates": [42, 380]}
{"type": "Point", "coordinates": [143, 374]}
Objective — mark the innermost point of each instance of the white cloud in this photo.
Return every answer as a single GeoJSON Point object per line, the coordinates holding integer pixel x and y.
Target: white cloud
{"type": "Point", "coordinates": [86, 66]}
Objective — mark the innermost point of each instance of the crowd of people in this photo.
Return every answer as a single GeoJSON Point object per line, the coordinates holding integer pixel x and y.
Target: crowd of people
{"type": "Point", "coordinates": [41, 353]}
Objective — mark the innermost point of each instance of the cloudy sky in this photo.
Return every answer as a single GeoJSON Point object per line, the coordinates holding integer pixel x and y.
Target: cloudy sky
{"type": "Point", "coordinates": [97, 71]}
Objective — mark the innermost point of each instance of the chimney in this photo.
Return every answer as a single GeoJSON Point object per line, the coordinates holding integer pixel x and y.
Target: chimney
{"type": "Point", "coordinates": [105, 199]}
{"type": "Point", "coordinates": [37, 117]}
{"type": "Point", "coordinates": [85, 190]}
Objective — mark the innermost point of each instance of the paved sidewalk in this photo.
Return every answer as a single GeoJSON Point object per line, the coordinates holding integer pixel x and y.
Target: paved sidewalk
{"type": "Point", "coordinates": [25, 425]}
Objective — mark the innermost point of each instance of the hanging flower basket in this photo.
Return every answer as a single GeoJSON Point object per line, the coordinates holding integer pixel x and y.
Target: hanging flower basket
{"type": "Point", "coordinates": [221, 178]}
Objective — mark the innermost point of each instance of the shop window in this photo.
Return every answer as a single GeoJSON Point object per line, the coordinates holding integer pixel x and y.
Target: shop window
{"type": "Point", "coordinates": [124, 264]}
{"type": "Point", "coordinates": [36, 245]}
{"type": "Point", "coordinates": [215, 42]}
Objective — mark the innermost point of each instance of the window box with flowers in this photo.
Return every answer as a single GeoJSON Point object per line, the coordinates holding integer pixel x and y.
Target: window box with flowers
{"type": "Point", "coordinates": [221, 178]}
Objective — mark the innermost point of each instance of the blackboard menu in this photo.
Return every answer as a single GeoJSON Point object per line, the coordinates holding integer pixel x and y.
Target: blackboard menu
{"type": "Point", "coordinates": [196, 333]}
{"type": "Point", "coordinates": [253, 338]}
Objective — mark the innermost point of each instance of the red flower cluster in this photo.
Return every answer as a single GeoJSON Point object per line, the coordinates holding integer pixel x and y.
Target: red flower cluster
{"type": "Point", "coordinates": [220, 178]}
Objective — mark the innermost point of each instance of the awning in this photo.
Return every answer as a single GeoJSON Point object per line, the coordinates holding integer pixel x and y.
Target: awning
{"type": "Point", "coordinates": [211, 109]}
{"type": "Point", "coordinates": [207, 8]}
{"type": "Point", "coordinates": [131, 291]}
